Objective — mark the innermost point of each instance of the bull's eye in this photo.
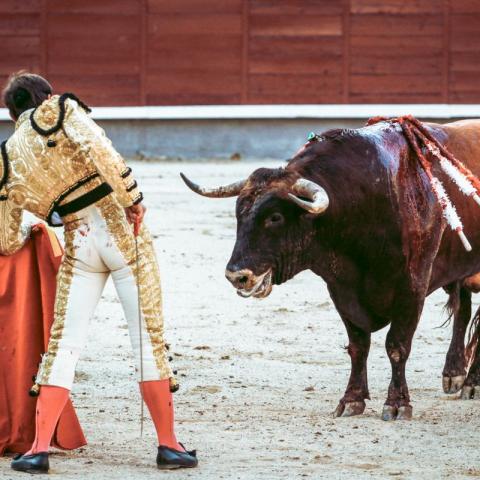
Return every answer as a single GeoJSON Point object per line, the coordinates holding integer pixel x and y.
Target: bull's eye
{"type": "Point", "coordinates": [274, 220]}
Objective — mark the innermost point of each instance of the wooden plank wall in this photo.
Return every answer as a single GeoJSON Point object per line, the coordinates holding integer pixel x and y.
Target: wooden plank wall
{"type": "Point", "coordinates": [165, 52]}
{"type": "Point", "coordinates": [464, 52]}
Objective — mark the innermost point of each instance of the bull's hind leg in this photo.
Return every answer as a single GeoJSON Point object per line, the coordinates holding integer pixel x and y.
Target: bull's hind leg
{"type": "Point", "coordinates": [460, 306]}
{"type": "Point", "coordinates": [353, 402]}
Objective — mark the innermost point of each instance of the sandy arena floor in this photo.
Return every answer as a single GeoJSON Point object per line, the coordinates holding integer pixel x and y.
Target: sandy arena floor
{"type": "Point", "coordinates": [260, 379]}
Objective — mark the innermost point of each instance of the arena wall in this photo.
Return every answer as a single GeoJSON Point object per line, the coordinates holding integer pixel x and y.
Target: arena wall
{"type": "Point", "coordinates": [223, 52]}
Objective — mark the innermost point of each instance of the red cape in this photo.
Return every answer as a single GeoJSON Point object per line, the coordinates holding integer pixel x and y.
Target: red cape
{"type": "Point", "coordinates": [27, 295]}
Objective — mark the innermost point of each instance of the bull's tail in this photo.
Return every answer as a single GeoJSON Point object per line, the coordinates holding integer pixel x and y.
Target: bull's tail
{"type": "Point", "coordinates": [473, 339]}
{"type": "Point", "coordinates": [452, 306]}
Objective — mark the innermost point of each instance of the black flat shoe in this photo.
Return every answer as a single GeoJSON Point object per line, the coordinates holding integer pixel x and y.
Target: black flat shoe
{"type": "Point", "coordinates": [36, 463]}
{"type": "Point", "coordinates": [169, 458]}
{"type": "Point", "coordinates": [193, 453]}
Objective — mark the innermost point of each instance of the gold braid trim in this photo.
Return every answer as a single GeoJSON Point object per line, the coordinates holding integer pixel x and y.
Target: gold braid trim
{"type": "Point", "coordinates": [64, 282]}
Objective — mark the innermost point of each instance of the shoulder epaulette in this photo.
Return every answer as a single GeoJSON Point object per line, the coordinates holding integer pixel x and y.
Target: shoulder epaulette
{"type": "Point", "coordinates": [61, 116]}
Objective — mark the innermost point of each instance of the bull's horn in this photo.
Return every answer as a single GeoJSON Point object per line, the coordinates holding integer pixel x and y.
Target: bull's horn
{"type": "Point", "coordinates": [318, 197]}
{"type": "Point", "coordinates": [231, 190]}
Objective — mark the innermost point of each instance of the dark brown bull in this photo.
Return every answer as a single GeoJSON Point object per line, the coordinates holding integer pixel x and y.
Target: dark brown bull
{"type": "Point", "coordinates": [356, 208]}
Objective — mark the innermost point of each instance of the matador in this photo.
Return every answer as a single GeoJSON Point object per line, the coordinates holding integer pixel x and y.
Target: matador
{"type": "Point", "coordinates": [60, 166]}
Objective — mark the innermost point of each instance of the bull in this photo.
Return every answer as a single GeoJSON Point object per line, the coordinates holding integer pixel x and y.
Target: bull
{"type": "Point", "coordinates": [357, 209]}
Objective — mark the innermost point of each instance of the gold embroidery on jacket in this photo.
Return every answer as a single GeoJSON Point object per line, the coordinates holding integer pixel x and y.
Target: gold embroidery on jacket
{"type": "Point", "coordinates": [46, 115]}
{"type": "Point", "coordinates": [39, 173]}
{"type": "Point", "coordinates": [13, 234]}
{"type": "Point", "coordinates": [95, 144]}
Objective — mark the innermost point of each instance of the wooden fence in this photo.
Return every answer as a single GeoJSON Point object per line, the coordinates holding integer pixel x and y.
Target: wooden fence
{"type": "Point", "coordinates": [186, 52]}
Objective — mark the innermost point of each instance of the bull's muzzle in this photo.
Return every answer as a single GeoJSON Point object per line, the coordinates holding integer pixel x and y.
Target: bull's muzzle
{"type": "Point", "coordinates": [241, 279]}
{"type": "Point", "coordinates": [248, 284]}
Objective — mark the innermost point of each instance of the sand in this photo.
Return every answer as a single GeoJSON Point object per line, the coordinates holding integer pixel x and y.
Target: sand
{"type": "Point", "coordinates": [259, 378]}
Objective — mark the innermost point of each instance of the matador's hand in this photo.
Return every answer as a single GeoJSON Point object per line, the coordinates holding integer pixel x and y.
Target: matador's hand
{"type": "Point", "coordinates": [135, 213]}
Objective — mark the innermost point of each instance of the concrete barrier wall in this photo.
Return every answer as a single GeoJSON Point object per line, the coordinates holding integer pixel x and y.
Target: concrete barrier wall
{"type": "Point", "coordinates": [212, 139]}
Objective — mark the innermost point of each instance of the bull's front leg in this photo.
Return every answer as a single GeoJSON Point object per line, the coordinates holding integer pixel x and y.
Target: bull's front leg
{"type": "Point", "coordinates": [454, 371]}
{"type": "Point", "coordinates": [359, 327]}
{"type": "Point", "coordinates": [353, 402]}
{"type": "Point", "coordinates": [398, 345]}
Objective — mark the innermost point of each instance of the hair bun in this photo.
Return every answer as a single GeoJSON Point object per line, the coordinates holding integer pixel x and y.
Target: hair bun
{"type": "Point", "coordinates": [20, 97]}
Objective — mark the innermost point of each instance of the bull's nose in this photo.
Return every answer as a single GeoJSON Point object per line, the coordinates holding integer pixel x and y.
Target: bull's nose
{"type": "Point", "coordinates": [240, 278]}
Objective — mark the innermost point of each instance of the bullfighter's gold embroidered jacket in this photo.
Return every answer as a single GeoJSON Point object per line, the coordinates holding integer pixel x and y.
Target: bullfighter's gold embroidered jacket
{"type": "Point", "coordinates": [56, 155]}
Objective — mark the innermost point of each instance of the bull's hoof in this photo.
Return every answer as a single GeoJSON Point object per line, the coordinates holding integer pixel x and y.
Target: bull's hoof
{"type": "Point", "coordinates": [453, 384]}
{"type": "Point", "coordinates": [404, 413]}
{"type": "Point", "coordinates": [470, 392]}
{"type": "Point", "coordinates": [349, 409]}
{"type": "Point", "coordinates": [389, 413]}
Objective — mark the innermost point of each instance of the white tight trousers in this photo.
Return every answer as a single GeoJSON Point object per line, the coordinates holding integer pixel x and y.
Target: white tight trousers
{"type": "Point", "coordinates": [102, 244]}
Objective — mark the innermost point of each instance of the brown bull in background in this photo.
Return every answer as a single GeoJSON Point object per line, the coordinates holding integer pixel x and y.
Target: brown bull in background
{"type": "Point", "coordinates": [462, 360]}
{"type": "Point", "coordinates": [356, 208]}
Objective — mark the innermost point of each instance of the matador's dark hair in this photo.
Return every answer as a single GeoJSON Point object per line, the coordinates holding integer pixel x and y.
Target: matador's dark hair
{"type": "Point", "coordinates": [24, 91]}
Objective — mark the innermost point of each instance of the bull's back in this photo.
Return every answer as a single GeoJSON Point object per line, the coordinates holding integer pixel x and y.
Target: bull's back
{"type": "Point", "coordinates": [463, 141]}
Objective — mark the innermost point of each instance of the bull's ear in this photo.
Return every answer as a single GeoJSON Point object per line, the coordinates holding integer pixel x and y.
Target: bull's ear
{"type": "Point", "coordinates": [317, 197]}
{"type": "Point", "coordinates": [225, 191]}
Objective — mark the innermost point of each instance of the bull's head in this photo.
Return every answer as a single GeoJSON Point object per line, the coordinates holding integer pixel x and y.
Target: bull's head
{"type": "Point", "coordinates": [275, 214]}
